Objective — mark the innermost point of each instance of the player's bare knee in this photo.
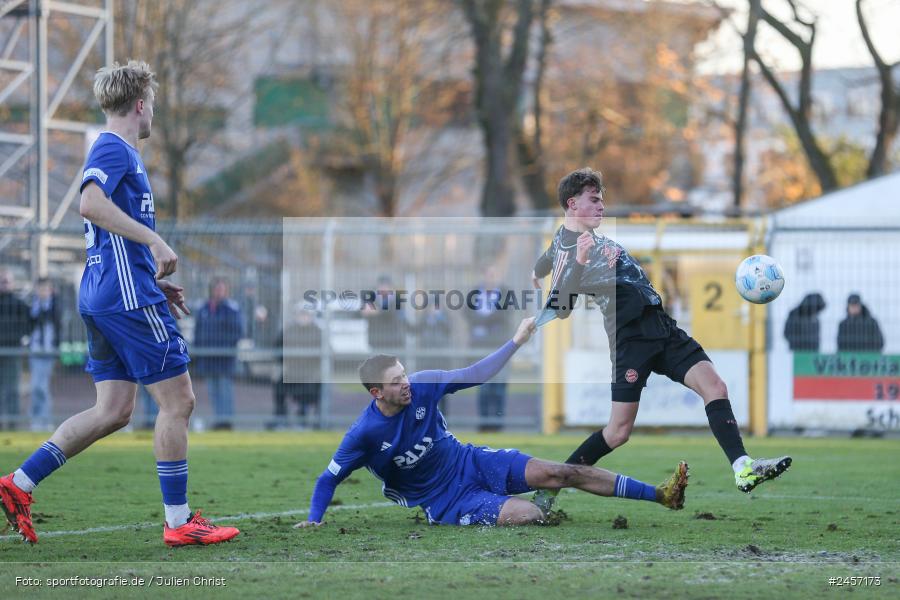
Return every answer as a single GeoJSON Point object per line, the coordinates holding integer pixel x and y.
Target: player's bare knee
{"type": "Point", "coordinates": [523, 515]}
{"type": "Point", "coordinates": [718, 389]}
{"type": "Point", "coordinates": [119, 417]}
{"type": "Point", "coordinates": [180, 406]}
{"type": "Point", "coordinates": [187, 402]}
{"type": "Point", "coordinates": [616, 436]}
{"type": "Point", "coordinates": [534, 516]}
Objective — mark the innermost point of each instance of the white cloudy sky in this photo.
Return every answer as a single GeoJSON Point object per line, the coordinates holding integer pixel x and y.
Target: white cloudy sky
{"type": "Point", "coordinates": [838, 40]}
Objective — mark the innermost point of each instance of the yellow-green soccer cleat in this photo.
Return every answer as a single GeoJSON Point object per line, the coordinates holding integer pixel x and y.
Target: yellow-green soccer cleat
{"type": "Point", "coordinates": [544, 499]}
{"type": "Point", "coordinates": [670, 493]}
{"type": "Point", "coordinates": [756, 471]}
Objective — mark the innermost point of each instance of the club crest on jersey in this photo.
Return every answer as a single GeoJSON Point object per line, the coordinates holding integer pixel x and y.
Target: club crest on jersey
{"type": "Point", "coordinates": [611, 253]}
{"type": "Point", "coordinates": [420, 413]}
{"type": "Point", "coordinates": [409, 459]}
{"type": "Point", "coordinates": [631, 375]}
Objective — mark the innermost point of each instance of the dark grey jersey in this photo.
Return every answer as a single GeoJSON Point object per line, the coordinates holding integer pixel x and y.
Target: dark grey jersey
{"type": "Point", "coordinates": [610, 273]}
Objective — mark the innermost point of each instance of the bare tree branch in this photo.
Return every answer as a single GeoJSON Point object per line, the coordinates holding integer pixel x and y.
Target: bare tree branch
{"type": "Point", "coordinates": [889, 115]}
{"type": "Point", "coordinates": [498, 84]}
{"type": "Point", "coordinates": [740, 125]}
{"type": "Point", "coordinates": [800, 115]}
{"type": "Point", "coordinates": [530, 148]}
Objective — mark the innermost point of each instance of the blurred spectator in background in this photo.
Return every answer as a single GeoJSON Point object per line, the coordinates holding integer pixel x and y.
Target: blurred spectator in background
{"type": "Point", "coordinates": [45, 320]}
{"type": "Point", "coordinates": [219, 326]}
{"type": "Point", "coordinates": [387, 325]}
{"type": "Point", "coordinates": [300, 376]}
{"type": "Point", "coordinates": [489, 327]}
{"type": "Point", "coordinates": [802, 326]}
{"type": "Point", "coordinates": [255, 315]}
{"type": "Point", "coordinates": [859, 332]}
{"type": "Point", "coordinates": [14, 325]}
{"type": "Point", "coordinates": [433, 335]}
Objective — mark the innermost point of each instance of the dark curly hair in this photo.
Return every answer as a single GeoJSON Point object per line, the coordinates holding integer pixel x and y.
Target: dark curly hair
{"type": "Point", "coordinates": [576, 182]}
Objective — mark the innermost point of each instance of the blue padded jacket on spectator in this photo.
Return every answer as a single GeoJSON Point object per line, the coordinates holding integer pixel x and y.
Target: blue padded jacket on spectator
{"type": "Point", "coordinates": [219, 328]}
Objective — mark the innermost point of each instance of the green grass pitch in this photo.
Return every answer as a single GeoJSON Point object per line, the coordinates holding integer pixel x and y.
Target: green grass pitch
{"type": "Point", "coordinates": [835, 513]}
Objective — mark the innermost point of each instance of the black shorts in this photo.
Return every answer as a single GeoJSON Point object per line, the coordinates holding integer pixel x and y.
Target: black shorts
{"type": "Point", "coordinates": [652, 343]}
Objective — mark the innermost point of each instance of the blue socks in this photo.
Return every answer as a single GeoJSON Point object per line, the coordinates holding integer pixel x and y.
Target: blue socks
{"type": "Point", "coordinates": [44, 461]}
{"type": "Point", "coordinates": [626, 487]}
{"type": "Point", "coordinates": [173, 477]}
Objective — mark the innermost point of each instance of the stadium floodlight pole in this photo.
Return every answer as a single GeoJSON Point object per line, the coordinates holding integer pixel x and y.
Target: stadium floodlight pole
{"type": "Point", "coordinates": [20, 11]}
{"type": "Point", "coordinates": [39, 193]}
{"type": "Point", "coordinates": [43, 108]}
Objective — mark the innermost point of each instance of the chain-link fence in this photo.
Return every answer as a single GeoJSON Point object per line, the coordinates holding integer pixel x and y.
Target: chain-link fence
{"type": "Point", "coordinates": [834, 334]}
{"type": "Point", "coordinates": [295, 358]}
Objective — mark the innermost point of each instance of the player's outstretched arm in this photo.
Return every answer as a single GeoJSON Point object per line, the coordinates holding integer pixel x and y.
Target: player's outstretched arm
{"type": "Point", "coordinates": [321, 498]}
{"type": "Point", "coordinates": [524, 332]}
{"type": "Point", "coordinates": [542, 267]}
{"type": "Point", "coordinates": [350, 455]}
{"type": "Point", "coordinates": [102, 212]}
{"type": "Point", "coordinates": [490, 365]}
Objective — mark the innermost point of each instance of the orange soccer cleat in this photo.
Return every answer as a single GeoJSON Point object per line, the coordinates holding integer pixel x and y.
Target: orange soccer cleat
{"type": "Point", "coordinates": [17, 506]}
{"type": "Point", "coordinates": [197, 531]}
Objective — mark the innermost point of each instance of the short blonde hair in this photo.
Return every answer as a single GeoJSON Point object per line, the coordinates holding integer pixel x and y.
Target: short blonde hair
{"type": "Point", "coordinates": [118, 87]}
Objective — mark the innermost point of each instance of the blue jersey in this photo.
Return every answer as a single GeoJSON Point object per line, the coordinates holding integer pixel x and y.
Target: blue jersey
{"type": "Point", "coordinates": [120, 275]}
{"type": "Point", "coordinates": [412, 452]}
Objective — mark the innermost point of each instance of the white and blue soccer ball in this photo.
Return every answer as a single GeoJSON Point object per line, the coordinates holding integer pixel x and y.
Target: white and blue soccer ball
{"type": "Point", "coordinates": [759, 279]}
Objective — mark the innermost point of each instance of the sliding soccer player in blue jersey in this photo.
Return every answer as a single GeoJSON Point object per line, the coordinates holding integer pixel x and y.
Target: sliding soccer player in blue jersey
{"type": "Point", "coordinates": [402, 439]}
{"type": "Point", "coordinates": [125, 303]}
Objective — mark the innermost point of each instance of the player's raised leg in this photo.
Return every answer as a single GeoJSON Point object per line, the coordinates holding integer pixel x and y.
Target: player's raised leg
{"type": "Point", "coordinates": [748, 473]}
{"type": "Point", "coordinates": [175, 397]}
{"type": "Point", "coordinates": [115, 403]}
{"type": "Point", "coordinates": [551, 475]}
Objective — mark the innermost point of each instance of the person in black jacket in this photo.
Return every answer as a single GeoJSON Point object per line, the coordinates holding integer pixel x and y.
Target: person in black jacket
{"type": "Point", "coordinates": [387, 326]}
{"type": "Point", "coordinates": [643, 338]}
{"type": "Point", "coordinates": [219, 326]}
{"type": "Point", "coordinates": [859, 332]}
{"type": "Point", "coordinates": [802, 326]}
{"type": "Point", "coordinates": [488, 327]}
{"type": "Point", "coordinates": [45, 318]}
{"type": "Point", "coordinates": [14, 325]}
{"type": "Point", "coordinates": [300, 376]}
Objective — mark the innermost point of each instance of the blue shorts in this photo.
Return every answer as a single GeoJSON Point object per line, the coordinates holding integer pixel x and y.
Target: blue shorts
{"type": "Point", "coordinates": [486, 478]}
{"type": "Point", "coordinates": [137, 345]}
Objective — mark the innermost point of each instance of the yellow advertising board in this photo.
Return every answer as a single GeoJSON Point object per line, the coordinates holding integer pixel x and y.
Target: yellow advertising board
{"type": "Point", "coordinates": [720, 318]}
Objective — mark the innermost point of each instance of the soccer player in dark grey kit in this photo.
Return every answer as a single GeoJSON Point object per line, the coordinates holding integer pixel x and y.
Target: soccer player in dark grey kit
{"type": "Point", "coordinates": [646, 339]}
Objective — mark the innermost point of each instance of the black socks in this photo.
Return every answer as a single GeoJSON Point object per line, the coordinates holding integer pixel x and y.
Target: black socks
{"type": "Point", "coordinates": [724, 426]}
{"type": "Point", "coordinates": [590, 451]}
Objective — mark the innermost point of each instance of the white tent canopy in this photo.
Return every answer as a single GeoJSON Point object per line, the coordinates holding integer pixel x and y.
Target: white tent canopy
{"type": "Point", "coordinates": [873, 203]}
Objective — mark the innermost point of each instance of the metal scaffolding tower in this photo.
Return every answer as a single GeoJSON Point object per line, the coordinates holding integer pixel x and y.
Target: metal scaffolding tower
{"type": "Point", "coordinates": [26, 54]}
